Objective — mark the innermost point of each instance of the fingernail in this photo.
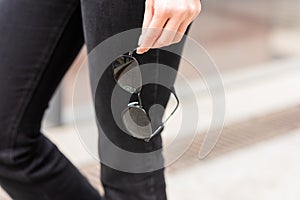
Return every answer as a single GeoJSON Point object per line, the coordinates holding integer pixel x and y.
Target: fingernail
{"type": "Point", "coordinates": [139, 51]}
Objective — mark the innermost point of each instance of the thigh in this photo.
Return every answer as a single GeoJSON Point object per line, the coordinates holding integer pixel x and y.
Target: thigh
{"type": "Point", "coordinates": [103, 19]}
{"type": "Point", "coordinates": [33, 61]}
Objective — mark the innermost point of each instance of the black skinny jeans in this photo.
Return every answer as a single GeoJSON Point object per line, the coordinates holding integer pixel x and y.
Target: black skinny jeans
{"type": "Point", "coordinates": [38, 42]}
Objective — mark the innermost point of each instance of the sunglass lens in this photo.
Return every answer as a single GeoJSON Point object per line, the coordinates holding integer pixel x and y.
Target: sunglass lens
{"type": "Point", "coordinates": [127, 73]}
{"type": "Point", "coordinates": [137, 122]}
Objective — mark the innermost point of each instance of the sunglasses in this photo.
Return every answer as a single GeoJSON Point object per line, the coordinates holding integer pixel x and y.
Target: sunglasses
{"type": "Point", "coordinates": [127, 73]}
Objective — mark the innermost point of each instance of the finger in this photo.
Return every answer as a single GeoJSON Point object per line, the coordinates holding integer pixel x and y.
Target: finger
{"type": "Point", "coordinates": [180, 32]}
{"type": "Point", "coordinates": [153, 32]}
{"type": "Point", "coordinates": [147, 17]}
{"type": "Point", "coordinates": [169, 32]}
{"type": "Point", "coordinates": [194, 12]}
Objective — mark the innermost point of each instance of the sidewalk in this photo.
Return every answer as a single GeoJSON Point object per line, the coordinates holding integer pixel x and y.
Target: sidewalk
{"type": "Point", "coordinates": [256, 157]}
{"type": "Point", "coordinates": [267, 170]}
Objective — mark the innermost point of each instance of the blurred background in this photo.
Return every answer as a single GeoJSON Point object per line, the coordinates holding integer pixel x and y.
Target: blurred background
{"type": "Point", "coordinates": [256, 46]}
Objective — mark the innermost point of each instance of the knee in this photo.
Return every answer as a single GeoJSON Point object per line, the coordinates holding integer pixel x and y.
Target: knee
{"type": "Point", "coordinates": [30, 160]}
{"type": "Point", "coordinates": [18, 149]}
{"type": "Point", "coordinates": [13, 156]}
{"type": "Point", "coordinates": [19, 139]}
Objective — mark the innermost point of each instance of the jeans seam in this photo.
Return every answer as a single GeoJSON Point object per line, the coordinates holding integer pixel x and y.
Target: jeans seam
{"type": "Point", "coordinates": [153, 179]}
{"type": "Point", "coordinates": [156, 75]}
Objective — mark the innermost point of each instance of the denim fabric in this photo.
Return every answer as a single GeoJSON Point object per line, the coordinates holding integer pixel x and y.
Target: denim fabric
{"type": "Point", "coordinates": [38, 42]}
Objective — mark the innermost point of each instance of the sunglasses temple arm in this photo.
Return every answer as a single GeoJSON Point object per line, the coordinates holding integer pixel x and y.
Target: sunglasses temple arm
{"type": "Point", "coordinates": [177, 104]}
{"type": "Point", "coordinates": [163, 123]}
{"type": "Point", "coordinates": [155, 133]}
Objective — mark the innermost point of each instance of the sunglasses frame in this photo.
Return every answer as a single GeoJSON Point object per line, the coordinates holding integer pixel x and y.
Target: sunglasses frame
{"type": "Point", "coordinates": [138, 104]}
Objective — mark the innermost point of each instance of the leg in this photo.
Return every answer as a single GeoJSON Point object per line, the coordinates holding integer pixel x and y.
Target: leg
{"type": "Point", "coordinates": [39, 40]}
{"type": "Point", "coordinates": [103, 19]}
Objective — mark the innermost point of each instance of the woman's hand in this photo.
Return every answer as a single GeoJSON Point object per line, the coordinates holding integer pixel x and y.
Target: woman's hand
{"type": "Point", "coordinates": [165, 22]}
